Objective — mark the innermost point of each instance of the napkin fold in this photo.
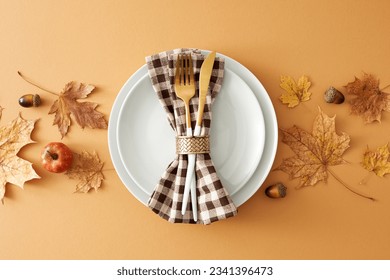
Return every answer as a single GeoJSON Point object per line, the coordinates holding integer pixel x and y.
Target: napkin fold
{"type": "Point", "coordinates": [214, 202]}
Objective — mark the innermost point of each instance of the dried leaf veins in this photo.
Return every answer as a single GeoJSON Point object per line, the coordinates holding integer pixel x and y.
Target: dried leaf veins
{"type": "Point", "coordinates": [87, 168]}
{"type": "Point", "coordinates": [84, 113]}
{"type": "Point", "coordinates": [370, 101]}
{"type": "Point", "coordinates": [13, 169]}
{"type": "Point", "coordinates": [377, 161]}
{"type": "Point", "coordinates": [315, 152]}
{"type": "Point", "coordinates": [294, 93]}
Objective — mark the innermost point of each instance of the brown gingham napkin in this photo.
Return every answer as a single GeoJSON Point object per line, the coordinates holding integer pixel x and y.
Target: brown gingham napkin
{"type": "Point", "coordinates": [214, 203]}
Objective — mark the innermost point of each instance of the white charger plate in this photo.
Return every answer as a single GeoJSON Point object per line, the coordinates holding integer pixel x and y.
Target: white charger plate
{"type": "Point", "coordinates": [249, 184]}
{"type": "Point", "coordinates": [146, 142]}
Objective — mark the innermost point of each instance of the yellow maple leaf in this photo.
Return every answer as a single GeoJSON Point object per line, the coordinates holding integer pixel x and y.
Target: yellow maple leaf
{"type": "Point", "coordinates": [294, 93]}
{"type": "Point", "coordinates": [13, 169]}
{"type": "Point", "coordinates": [378, 161]}
{"type": "Point", "coordinates": [315, 152]}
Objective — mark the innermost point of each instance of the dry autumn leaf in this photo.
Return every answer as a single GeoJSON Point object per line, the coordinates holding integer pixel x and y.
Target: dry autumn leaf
{"type": "Point", "coordinates": [83, 112]}
{"type": "Point", "coordinates": [66, 105]}
{"type": "Point", "coordinates": [87, 168]}
{"type": "Point", "coordinates": [315, 152]}
{"type": "Point", "coordinates": [370, 101]}
{"type": "Point", "coordinates": [378, 161]}
{"type": "Point", "coordinates": [294, 92]}
{"type": "Point", "coordinates": [13, 169]}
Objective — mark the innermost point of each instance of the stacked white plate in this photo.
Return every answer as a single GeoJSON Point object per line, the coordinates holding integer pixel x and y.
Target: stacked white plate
{"type": "Point", "coordinates": [243, 135]}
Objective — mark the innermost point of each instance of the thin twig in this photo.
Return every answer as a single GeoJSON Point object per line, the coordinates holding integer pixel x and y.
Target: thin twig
{"type": "Point", "coordinates": [346, 186]}
{"type": "Point", "coordinates": [28, 81]}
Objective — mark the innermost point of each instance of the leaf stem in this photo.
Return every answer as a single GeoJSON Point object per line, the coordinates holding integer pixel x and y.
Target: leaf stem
{"type": "Point", "coordinates": [349, 188]}
{"type": "Point", "coordinates": [365, 179]}
{"type": "Point", "coordinates": [28, 81]}
{"type": "Point", "coordinates": [108, 169]}
{"type": "Point", "coordinates": [385, 87]}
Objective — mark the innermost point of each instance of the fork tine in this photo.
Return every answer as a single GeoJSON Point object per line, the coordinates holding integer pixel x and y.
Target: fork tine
{"type": "Point", "coordinates": [177, 73]}
{"type": "Point", "coordinates": [187, 72]}
{"type": "Point", "coordinates": [181, 70]}
{"type": "Point", "coordinates": [191, 70]}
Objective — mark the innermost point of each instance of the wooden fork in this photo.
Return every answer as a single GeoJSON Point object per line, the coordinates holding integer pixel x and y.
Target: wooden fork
{"type": "Point", "coordinates": [185, 90]}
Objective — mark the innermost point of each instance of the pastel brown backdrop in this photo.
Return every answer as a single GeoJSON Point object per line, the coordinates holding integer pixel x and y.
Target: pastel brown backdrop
{"type": "Point", "coordinates": [104, 42]}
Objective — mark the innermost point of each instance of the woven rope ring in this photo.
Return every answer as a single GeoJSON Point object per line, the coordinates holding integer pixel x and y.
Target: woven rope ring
{"type": "Point", "coordinates": [192, 145]}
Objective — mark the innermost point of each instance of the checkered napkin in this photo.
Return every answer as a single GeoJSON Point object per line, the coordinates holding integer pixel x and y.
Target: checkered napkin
{"type": "Point", "coordinates": [214, 203]}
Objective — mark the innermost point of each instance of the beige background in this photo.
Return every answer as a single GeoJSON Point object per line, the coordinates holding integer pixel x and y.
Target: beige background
{"type": "Point", "coordinates": [104, 42]}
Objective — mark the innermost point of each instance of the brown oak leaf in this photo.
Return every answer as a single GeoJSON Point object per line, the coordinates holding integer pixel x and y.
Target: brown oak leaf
{"type": "Point", "coordinates": [83, 112]}
{"type": "Point", "coordinates": [13, 169]}
{"type": "Point", "coordinates": [377, 161]}
{"type": "Point", "coordinates": [315, 151]}
{"type": "Point", "coordinates": [87, 168]}
{"type": "Point", "coordinates": [370, 101]}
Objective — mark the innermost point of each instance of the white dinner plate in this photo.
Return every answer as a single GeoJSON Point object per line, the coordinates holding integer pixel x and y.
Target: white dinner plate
{"type": "Point", "coordinates": [134, 180]}
{"type": "Point", "coordinates": [146, 141]}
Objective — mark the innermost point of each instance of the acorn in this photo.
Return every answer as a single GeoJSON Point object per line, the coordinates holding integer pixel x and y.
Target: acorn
{"type": "Point", "coordinates": [29, 100]}
{"type": "Point", "coordinates": [332, 95]}
{"type": "Point", "coordinates": [277, 190]}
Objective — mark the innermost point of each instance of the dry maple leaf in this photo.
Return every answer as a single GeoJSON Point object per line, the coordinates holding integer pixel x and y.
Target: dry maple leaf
{"type": "Point", "coordinates": [378, 161]}
{"type": "Point", "coordinates": [315, 152]}
{"type": "Point", "coordinates": [66, 105]}
{"type": "Point", "coordinates": [87, 168]}
{"type": "Point", "coordinates": [13, 169]}
{"type": "Point", "coordinates": [83, 112]}
{"type": "Point", "coordinates": [370, 101]}
{"type": "Point", "coordinates": [294, 92]}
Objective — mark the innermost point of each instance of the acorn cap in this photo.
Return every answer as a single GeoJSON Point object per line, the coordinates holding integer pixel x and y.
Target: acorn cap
{"type": "Point", "coordinates": [277, 190]}
{"type": "Point", "coordinates": [332, 95]}
{"type": "Point", "coordinates": [36, 100]}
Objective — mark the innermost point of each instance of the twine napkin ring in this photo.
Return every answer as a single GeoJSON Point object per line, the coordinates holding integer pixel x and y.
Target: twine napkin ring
{"type": "Point", "coordinates": [192, 145]}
